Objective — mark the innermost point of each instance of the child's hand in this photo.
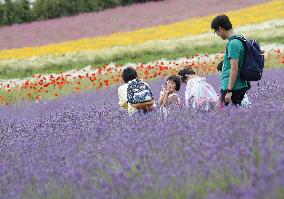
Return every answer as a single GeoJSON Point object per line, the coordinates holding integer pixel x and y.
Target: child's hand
{"type": "Point", "coordinates": [170, 91]}
{"type": "Point", "coordinates": [163, 91]}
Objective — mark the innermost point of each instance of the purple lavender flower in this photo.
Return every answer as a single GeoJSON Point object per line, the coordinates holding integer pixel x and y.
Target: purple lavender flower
{"type": "Point", "coordinates": [84, 146]}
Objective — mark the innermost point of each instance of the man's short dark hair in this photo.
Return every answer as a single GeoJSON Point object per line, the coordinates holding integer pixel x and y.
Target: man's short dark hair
{"type": "Point", "coordinates": [184, 73]}
{"type": "Point", "coordinates": [176, 80]}
{"type": "Point", "coordinates": [221, 21]}
{"type": "Point", "coordinates": [129, 74]}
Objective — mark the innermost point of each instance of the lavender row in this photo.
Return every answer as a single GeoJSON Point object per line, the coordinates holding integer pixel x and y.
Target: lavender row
{"type": "Point", "coordinates": [85, 147]}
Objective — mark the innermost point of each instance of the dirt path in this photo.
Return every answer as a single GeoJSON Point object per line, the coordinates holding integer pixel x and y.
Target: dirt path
{"type": "Point", "coordinates": [113, 20]}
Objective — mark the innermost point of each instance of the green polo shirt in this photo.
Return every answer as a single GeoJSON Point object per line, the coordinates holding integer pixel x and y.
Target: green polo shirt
{"type": "Point", "coordinates": [235, 50]}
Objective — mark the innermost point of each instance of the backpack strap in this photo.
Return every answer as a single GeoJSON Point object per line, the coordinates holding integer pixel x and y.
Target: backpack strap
{"type": "Point", "coordinates": [240, 38]}
{"type": "Point", "coordinates": [147, 86]}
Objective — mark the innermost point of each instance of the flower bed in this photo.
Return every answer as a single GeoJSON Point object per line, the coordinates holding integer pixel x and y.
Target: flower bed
{"type": "Point", "coordinates": [41, 87]}
{"type": "Point", "coordinates": [85, 147]}
{"type": "Point", "coordinates": [194, 26]}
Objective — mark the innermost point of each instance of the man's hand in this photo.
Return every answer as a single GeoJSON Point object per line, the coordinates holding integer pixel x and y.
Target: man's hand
{"type": "Point", "coordinates": [228, 97]}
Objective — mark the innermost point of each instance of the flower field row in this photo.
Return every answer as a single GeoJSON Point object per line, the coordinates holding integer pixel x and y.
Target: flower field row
{"type": "Point", "coordinates": [41, 87]}
{"type": "Point", "coordinates": [64, 135]}
{"type": "Point", "coordinates": [266, 33]}
{"type": "Point", "coordinates": [132, 17]}
{"type": "Point", "coordinates": [255, 14]}
{"type": "Point", "coordinates": [85, 147]}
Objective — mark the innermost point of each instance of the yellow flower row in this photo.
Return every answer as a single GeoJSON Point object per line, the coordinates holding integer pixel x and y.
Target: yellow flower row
{"type": "Point", "coordinates": [259, 32]}
{"type": "Point", "coordinates": [194, 26]}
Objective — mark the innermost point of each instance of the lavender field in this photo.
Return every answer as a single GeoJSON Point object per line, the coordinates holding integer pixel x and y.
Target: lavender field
{"type": "Point", "coordinates": [84, 146]}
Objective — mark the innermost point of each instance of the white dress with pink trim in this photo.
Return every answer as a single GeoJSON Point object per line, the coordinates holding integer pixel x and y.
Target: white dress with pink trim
{"type": "Point", "coordinates": [200, 94]}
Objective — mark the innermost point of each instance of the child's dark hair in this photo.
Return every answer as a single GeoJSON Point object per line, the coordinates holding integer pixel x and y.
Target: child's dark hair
{"type": "Point", "coordinates": [184, 73]}
{"type": "Point", "coordinates": [220, 65]}
{"type": "Point", "coordinates": [176, 80]}
{"type": "Point", "coordinates": [129, 74]}
{"type": "Point", "coordinates": [221, 21]}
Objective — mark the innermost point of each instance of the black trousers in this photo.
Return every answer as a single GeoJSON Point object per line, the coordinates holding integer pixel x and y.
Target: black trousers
{"type": "Point", "coordinates": [237, 96]}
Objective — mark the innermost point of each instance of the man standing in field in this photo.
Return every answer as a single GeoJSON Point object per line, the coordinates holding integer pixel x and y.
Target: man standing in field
{"type": "Point", "coordinates": [233, 88]}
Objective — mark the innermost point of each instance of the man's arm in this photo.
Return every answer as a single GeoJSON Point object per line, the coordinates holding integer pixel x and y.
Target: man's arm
{"type": "Point", "coordinates": [234, 53]}
{"type": "Point", "coordinates": [233, 73]}
{"type": "Point", "coordinates": [232, 78]}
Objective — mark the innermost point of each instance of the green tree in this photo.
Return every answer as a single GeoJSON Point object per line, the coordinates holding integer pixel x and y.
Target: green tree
{"type": "Point", "coordinates": [1, 14]}
{"type": "Point", "coordinates": [8, 13]}
{"type": "Point", "coordinates": [23, 11]}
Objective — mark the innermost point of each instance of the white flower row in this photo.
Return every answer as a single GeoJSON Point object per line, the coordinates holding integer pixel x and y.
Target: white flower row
{"type": "Point", "coordinates": [273, 28]}
{"type": "Point", "coordinates": [88, 69]}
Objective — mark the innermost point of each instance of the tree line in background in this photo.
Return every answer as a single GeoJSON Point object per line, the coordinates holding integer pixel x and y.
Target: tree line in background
{"type": "Point", "coordinates": [21, 11]}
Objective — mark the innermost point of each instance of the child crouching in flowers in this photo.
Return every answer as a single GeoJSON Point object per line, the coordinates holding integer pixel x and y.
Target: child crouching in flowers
{"type": "Point", "coordinates": [168, 95]}
{"type": "Point", "coordinates": [200, 94]}
{"type": "Point", "coordinates": [135, 95]}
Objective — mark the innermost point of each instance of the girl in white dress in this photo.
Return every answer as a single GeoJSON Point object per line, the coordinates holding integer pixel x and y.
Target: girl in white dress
{"type": "Point", "coordinates": [199, 94]}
